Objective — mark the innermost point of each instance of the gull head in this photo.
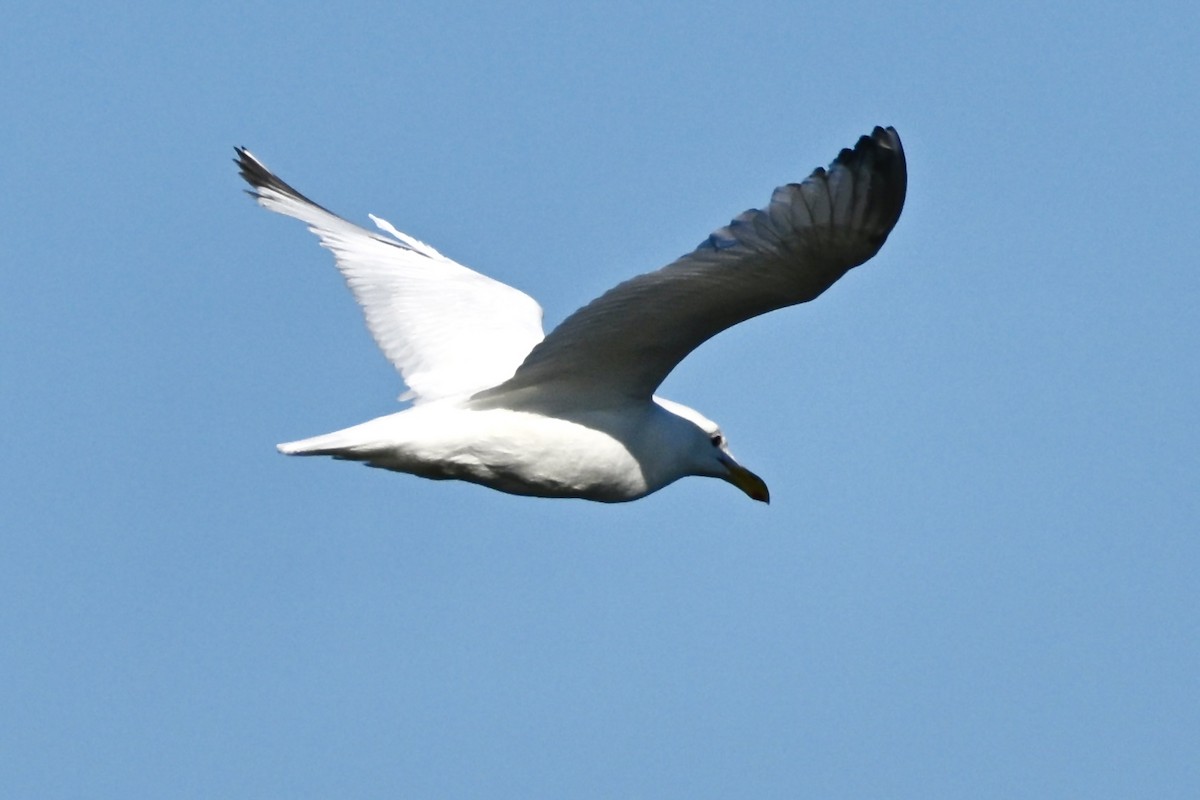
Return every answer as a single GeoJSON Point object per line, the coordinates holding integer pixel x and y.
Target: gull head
{"type": "Point", "coordinates": [709, 452]}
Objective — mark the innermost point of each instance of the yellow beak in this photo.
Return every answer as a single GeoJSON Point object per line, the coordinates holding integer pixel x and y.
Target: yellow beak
{"type": "Point", "coordinates": [748, 482]}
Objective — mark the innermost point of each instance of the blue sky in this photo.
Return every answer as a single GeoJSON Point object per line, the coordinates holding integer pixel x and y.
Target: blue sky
{"type": "Point", "coordinates": [977, 576]}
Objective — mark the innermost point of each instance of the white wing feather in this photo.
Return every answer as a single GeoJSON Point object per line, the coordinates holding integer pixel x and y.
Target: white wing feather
{"type": "Point", "coordinates": [622, 345]}
{"type": "Point", "coordinates": [447, 329]}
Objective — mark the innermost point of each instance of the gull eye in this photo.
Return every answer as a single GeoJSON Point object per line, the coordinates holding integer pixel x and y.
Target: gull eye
{"type": "Point", "coordinates": [717, 439]}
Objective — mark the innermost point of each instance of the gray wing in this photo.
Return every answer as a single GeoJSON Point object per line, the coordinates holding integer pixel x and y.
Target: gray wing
{"type": "Point", "coordinates": [624, 343]}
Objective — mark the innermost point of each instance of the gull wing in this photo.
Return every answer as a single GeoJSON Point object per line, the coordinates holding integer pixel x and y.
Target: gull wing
{"type": "Point", "coordinates": [447, 329]}
{"type": "Point", "coordinates": [623, 344]}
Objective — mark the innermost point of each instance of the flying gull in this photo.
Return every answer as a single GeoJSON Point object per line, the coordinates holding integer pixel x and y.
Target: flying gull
{"type": "Point", "coordinates": [573, 414]}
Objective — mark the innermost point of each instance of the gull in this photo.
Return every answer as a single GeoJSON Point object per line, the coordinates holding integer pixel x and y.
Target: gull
{"type": "Point", "coordinates": [496, 402]}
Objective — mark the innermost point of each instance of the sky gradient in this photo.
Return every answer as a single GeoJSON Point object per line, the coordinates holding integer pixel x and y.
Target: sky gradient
{"type": "Point", "coordinates": [977, 575]}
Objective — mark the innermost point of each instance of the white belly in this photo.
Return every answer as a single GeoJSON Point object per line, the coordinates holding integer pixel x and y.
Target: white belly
{"type": "Point", "coordinates": [512, 451]}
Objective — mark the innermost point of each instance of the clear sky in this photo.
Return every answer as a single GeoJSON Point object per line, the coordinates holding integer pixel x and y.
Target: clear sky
{"type": "Point", "coordinates": [978, 574]}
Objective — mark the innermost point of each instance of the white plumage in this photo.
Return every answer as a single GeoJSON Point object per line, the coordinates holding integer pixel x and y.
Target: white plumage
{"type": "Point", "coordinates": [574, 414]}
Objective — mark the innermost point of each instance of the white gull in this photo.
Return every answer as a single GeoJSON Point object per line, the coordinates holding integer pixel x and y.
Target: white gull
{"type": "Point", "coordinates": [574, 414]}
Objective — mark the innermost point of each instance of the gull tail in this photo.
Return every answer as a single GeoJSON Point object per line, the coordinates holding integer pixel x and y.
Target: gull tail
{"type": "Point", "coordinates": [330, 444]}
{"type": "Point", "coordinates": [357, 443]}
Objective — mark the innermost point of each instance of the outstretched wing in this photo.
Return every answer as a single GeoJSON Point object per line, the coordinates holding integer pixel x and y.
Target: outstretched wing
{"type": "Point", "coordinates": [623, 344]}
{"type": "Point", "coordinates": [447, 329]}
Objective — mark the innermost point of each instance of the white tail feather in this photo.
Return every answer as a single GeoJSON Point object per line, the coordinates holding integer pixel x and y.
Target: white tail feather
{"type": "Point", "coordinates": [358, 442]}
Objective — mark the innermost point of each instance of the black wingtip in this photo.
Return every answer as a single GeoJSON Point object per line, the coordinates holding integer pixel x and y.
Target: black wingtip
{"type": "Point", "coordinates": [255, 173]}
{"type": "Point", "coordinates": [883, 144]}
{"type": "Point", "coordinates": [882, 154]}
